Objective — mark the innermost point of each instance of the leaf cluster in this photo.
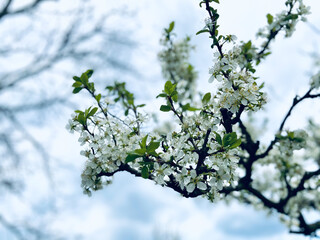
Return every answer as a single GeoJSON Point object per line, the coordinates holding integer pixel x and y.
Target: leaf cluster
{"type": "Point", "coordinates": [82, 82]}
{"type": "Point", "coordinates": [145, 152]}
{"type": "Point", "coordinates": [122, 95]}
{"type": "Point", "coordinates": [82, 117]}
{"type": "Point", "coordinates": [229, 140]}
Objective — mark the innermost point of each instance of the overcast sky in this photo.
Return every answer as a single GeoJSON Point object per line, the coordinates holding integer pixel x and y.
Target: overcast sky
{"type": "Point", "coordinates": [134, 208]}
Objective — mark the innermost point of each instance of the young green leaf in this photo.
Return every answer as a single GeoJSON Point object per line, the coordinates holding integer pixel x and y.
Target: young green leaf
{"type": "Point", "coordinates": [218, 138]}
{"type": "Point", "coordinates": [76, 84]}
{"type": "Point", "coordinates": [162, 95]}
{"type": "Point", "coordinates": [81, 118]}
{"type": "Point", "coordinates": [174, 96]}
{"type": "Point", "coordinates": [229, 139]}
{"type": "Point", "coordinates": [167, 87]}
{"type": "Point", "coordinates": [92, 112]}
{"type": "Point", "coordinates": [77, 89]}
{"type": "Point", "coordinates": [140, 105]}
{"type": "Point", "coordinates": [152, 146]}
{"type": "Point", "coordinates": [171, 26]}
{"type": "Point", "coordinates": [143, 143]}
{"type": "Point", "coordinates": [145, 172]}
{"type": "Point", "coordinates": [206, 98]}
{"type": "Point", "coordinates": [140, 151]}
{"type": "Point", "coordinates": [89, 73]}
{"type": "Point", "coordinates": [202, 31]}
{"type": "Point", "coordinates": [84, 78]}
{"type": "Point", "coordinates": [131, 157]}
{"type": "Point", "coordinates": [98, 97]}
{"type": "Point", "coordinates": [270, 18]}
{"type": "Point", "coordinates": [77, 79]}
{"type": "Point", "coordinates": [165, 108]}
{"type": "Point", "coordinates": [237, 143]}
{"type": "Point", "coordinates": [187, 107]}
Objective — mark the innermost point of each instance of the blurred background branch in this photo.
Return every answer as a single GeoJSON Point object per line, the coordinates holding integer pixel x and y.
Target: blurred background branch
{"type": "Point", "coordinates": [41, 41]}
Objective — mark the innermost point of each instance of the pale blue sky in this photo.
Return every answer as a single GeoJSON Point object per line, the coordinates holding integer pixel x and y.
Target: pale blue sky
{"type": "Point", "coordinates": [131, 208]}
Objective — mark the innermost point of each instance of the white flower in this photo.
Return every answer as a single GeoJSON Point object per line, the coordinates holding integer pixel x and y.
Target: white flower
{"type": "Point", "coordinates": [201, 185]}
{"type": "Point", "coordinates": [190, 187]}
{"type": "Point", "coordinates": [211, 79]}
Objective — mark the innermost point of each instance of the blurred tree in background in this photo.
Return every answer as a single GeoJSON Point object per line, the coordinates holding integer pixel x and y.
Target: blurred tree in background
{"type": "Point", "coordinates": [41, 40]}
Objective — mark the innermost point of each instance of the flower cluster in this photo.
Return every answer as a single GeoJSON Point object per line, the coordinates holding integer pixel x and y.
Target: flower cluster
{"type": "Point", "coordinates": [199, 156]}
{"type": "Point", "coordinates": [237, 85]}
{"type": "Point", "coordinates": [174, 59]}
{"type": "Point", "coordinates": [106, 143]}
{"type": "Point", "coordinates": [286, 20]}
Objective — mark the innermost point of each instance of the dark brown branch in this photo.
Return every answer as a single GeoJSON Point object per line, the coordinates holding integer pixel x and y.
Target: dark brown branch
{"type": "Point", "coordinates": [226, 119]}
{"type": "Point", "coordinates": [293, 192]}
{"type": "Point", "coordinates": [203, 151]}
{"type": "Point", "coordinates": [295, 102]}
{"type": "Point", "coordinates": [236, 119]}
{"type": "Point", "coordinates": [5, 11]}
{"type": "Point", "coordinates": [307, 229]}
{"type": "Point", "coordinates": [272, 34]}
{"type": "Point", "coordinates": [12, 228]}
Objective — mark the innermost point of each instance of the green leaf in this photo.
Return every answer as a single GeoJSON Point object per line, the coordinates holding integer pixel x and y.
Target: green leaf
{"type": "Point", "coordinates": [131, 101]}
{"type": "Point", "coordinates": [202, 31]}
{"type": "Point", "coordinates": [291, 135]}
{"type": "Point", "coordinates": [77, 79]}
{"type": "Point", "coordinates": [93, 111]}
{"type": "Point", "coordinates": [216, 1]}
{"type": "Point", "coordinates": [98, 97]}
{"type": "Point", "coordinates": [84, 78]}
{"type": "Point", "coordinates": [165, 108]}
{"type": "Point", "coordinates": [171, 26]}
{"type": "Point", "coordinates": [89, 73]}
{"type": "Point", "coordinates": [247, 46]}
{"type": "Point", "coordinates": [81, 118]}
{"type": "Point", "coordinates": [201, 3]}
{"type": "Point", "coordinates": [291, 17]}
{"type": "Point", "coordinates": [140, 105]}
{"type": "Point", "coordinates": [86, 112]}
{"type": "Point", "coordinates": [76, 84]}
{"type": "Point", "coordinates": [91, 86]}
{"type": "Point", "coordinates": [175, 96]}
{"type": "Point", "coordinates": [229, 139]}
{"type": "Point", "coordinates": [152, 146]}
{"type": "Point", "coordinates": [77, 89]}
{"type": "Point", "coordinates": [131, 157]}
{"type": "Point", "coordinates": [193, 109]}
{"type": "Point", "coordinates": [270, 18]}
{"type": "Point", "coordinates": [206, 98]}
{"type": "Point", "coordinates": [143, 143]}
{"type": "Point", "coordinates": [167, 87]}
{"type": "Point", "coordinates": [237, 143]}
{"type": "Point", "coordinates": [145, 172]}
{"type": "Point", "coordinates": [172, 89]}
{"type": "Point", "coordinates": [187, 107]}
{"type": "Point", "coordinates": [218, 138]}
{"type": "Point", "coordinates": [140, 151]}
{"type": "Point", "coordinates": [162, 95]}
